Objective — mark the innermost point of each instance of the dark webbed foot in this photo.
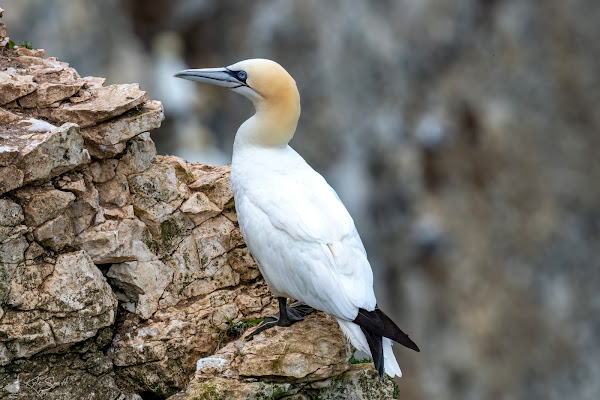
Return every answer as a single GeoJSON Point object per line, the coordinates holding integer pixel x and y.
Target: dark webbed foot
{"type": "Point", "coordinates": [285, 317]}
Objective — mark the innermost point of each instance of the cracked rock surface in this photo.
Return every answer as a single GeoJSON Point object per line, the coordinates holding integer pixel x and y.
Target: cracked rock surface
{"type": "Point", "coordinates": [308, 361]}
{"type": "Point", "coordinates": [120, 269]}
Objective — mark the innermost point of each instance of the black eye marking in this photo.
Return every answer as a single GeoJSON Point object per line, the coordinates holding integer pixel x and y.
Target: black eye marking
{"type": "Point", "coordinates": [240, 76]}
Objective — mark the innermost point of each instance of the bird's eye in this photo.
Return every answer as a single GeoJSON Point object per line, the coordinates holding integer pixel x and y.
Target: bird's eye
{"type": "Point", "coordinates": [242, 75]}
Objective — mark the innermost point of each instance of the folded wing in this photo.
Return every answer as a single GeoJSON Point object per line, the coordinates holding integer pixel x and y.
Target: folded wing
{"type": "Point", "coordinates": [306, 244]}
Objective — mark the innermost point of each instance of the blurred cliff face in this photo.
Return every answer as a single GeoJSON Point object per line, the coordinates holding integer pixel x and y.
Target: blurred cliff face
{"type": "Point", "coordinates": [462, 135]}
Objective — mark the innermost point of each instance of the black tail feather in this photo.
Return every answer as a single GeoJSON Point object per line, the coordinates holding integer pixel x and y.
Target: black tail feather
{"type": "Point", "coordinates": [377, 322]}
{"type": "Point", "coordinates": [376, 346]}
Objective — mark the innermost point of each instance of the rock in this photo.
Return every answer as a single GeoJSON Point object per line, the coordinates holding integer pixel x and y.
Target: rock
{"type": "Point", "coordinates": [103, 171]}
{"type": "Point", "coordinates": [78, 288]}
{"type": "Point", "coordinates": [12, 252]}
{"type": "Point", "coordinates": [142, 283]}
{"type": "Point", "coordinates": [360, 382]}
{"type": "Point", "coordinates": [11, 178]}
{"type": "Point", "coordinates": [11, 214]}
{"type": "Point", "coordinates": [56, 234]}
{"type": "Point", "coordinates": [140, 119]}
{"type": "Point", "coordinates": [8, 153]}
{"type": "Point", "coordinates": [207, 246]}
{"type": "Point", "coordinates": [13, 86]}
{"type": "Point", "coordinates": [115, 191]}
{"type": "Point", "coordinates": [26, 287]}
{"type": "Point", "coordinates": [101, 151]}
{"type": "Point", "coordinates": [314, 350]}
{"type": "Point", "coordinates": [86, 208]}
{"type": "Point", "coordinates": [182, 168]}
{"type": "Point", "coordinates": [166, 347]}
{"type": "Point", "coordinates": [117, 241]}
{"type": "Point", "coordinates": [49, 93]}
{"type": "Point", "coordinates": [107, 103]}
{"type": "Point", "coordinates": [140, 154]}
{"type": "Point", "coordinates": [86, 373]}
{"type": "Point", "coordinates": [74, 183]}
{"type": "Point", "coordinates": [45, 155]}
{"type": "Point", "coordinates": [213, 181]}
{"type": "Point", "coordinates": [41, 204]}
{"type": "Point", "coordinates": [24, 338]}
{"type": "Point", "coordinates": [200, 208]}
{"type": "Point", "coordinates": [157, 193]}
{"type": "Point", "coordinates": [118, 213]}
{"type": "Point", "coordinates": [292, 364]}
{"type": "Point", "coordinates": [23, 51]}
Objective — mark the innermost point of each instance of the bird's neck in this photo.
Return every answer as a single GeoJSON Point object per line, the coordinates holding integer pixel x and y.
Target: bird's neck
{"type": "Point", "coordinates": [274, 123]}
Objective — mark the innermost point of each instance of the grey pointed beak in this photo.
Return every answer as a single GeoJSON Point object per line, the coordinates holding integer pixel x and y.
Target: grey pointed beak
{"type": "Point", "coordinates": [216, 76]}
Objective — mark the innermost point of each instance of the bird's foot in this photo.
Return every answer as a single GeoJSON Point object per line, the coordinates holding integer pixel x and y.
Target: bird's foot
{"type": "Point", "coordinates": [294, 313]}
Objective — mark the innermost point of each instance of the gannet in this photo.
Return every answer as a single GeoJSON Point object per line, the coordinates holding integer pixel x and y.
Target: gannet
{"type": "Point", "coordinates": [296, 227]}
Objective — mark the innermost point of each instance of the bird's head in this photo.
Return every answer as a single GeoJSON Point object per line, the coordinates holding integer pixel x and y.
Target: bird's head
{"type": "Point", "coordinates": [272, 90]}
{"type": "Point", "coordinates": [258, 79]}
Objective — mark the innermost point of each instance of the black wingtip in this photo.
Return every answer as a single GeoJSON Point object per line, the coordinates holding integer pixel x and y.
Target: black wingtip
{"type": "Point", "coordinates": [375, 343]}
{"type": "Point", "coordinates": [415, 347]}
{"type": "Point", "coordinates": [377, 322]}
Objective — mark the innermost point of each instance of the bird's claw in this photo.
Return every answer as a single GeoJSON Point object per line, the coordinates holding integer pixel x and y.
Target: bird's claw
{"type": "Point", "coordinates": [295, 312]}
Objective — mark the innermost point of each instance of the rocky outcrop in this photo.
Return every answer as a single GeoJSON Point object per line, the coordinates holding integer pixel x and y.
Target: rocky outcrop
{"type": "Point", "coordinates": [121, 269]}
{"type": "Point", "coordinates": [278, 364]}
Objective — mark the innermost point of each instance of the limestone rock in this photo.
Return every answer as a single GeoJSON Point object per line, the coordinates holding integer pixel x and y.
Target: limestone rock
{"type": "Point", "coordinates": [74, 183]}
{"type": "Point", "coordinates": [78, 288]}
{"type": "Point", "coordinates": [360, 382]}
{"type": "Point", "coordinates": [41, 204]}
{"type": "Point", "coordinates": [72, 298]}
{"type": "Point", "coordinates": [84, 373]}
{"type": "Point", "coordinates": [166, 347]}
{"type": "Point", "coordinates": [115, 191]}
{"type": "Point", "coordinates": [157, 193]}
{"type": "Point", "coordinates": [56, 234]}
{"type": "Point", "coordinates": [213, 181]}
{"type": "Point", "coordinates": [12, 252]}
{"type": "Point", "coordinates": [313, 351]}
{"type": "Point", "coordinates": [48, 153]}
{"type": "Point", "coordinates": [278, 356]}
{"type": "Point", "coordinates": [108, 102]}
{"type": "Point", "coordinates": [86, 208]}
{"type": "Point", "coordinates": [140, 154]}
{"type": "Point", "coordinates": [117, 241]}
{"type": "Point", "coordinates": [11, 214]}
{"type": "Point", "coordinates": [13, 86]}
{"type": "Point", "coordinates": [26, 287]}
{"type": "Point", "coordinates": [200, 208]}
{"type": "Point", "coordinates": [11, 178]}
{"type": "Point", "coordinates": [208, 246]}
{"type": "Point", "coordinates": [101, 151]}
{"type": "Point", "coordinates": [103, 171]}
{"type": "Point", "coordinates": [140, 119]}
{"type": "Point", "coordinates": [141, 282]}
{"type": "Point", "coordinates": [24, 51]}
{"type": "Point", "coordinates": [49, 93]}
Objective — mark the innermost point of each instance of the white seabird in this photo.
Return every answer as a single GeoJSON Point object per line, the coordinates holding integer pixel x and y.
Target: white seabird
{"type": "Point", "coordinates": [294, 224]}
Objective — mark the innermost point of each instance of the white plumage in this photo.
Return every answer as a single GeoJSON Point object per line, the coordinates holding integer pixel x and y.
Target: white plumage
{"type": "Point", "coordinates": [303, 237]}
{"type": "Point", "coordinates": [294, 224]}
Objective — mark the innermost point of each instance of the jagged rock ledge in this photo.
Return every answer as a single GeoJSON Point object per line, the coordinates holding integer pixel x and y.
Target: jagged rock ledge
{"type": "Point", "coordinates": [120, 269]}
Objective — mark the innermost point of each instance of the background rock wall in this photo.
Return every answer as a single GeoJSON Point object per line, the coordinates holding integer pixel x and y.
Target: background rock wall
{"type": "Point", "coordinates": [120, 269]}
{"type": "Point", "coordinates": [462, 135]}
